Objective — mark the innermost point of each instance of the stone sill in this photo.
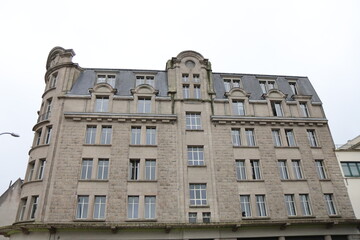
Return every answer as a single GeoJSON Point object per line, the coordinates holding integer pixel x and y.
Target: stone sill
{"type": "Point", "coordinates": [142, 181]}
{"type": "Point", "coordinates": [293, 180]}
{"type": "Point", "coordinates": [143, 145]}
{"type": "Point", "coordinates": [251, 180]}
{"type": "Point", "coordinates": [141, 220]}
{"type": "Point", "coordinates": [194, 130]}
{"type": "Point", "coordinates": [255, 218]}
{"type": "Point", "coordinates": [197, 166]}
{"type": "Point", "coordinates": [97, 145]}
{"type": "Point", "coordinates": [93, 180]}
{"type": "Point", "coordinates": [246, 146]}
{"type": "Point", "coordinates": [199, 206]}
{"type": "Point", "coordinates": [286, 147]}
{"type": "Point", "coordinates": [89, 220]}
{"type": "Point", "coordinates": [301, 217]}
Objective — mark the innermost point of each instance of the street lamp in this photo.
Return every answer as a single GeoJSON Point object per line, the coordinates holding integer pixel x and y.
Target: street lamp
{"type": "Point", "coordinates": [11, 133]}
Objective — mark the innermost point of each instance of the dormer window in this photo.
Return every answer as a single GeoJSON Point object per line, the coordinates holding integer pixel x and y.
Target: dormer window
{"type": "Point", "coordinates": [267, 85]}
{"type": "Point", "coordinates": [230, 83]}
{"type": "Point", "coordinates": [109, 79]}
{"type": "Point", "coordinates": [293, 87]}
{"type": "Point", "coordinates": [150, 80]}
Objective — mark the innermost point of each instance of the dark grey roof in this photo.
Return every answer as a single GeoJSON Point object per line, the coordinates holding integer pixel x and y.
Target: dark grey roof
{"type": "Point", "coordinates": [126, 78]}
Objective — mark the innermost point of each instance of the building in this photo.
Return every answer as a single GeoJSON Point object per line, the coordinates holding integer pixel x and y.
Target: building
{"type": "Point", "coordinates": [183, 153]}
{"type": "Point", "coordinates": [349, 159]}
{"type": "Point", "coordinates": [9, 203]}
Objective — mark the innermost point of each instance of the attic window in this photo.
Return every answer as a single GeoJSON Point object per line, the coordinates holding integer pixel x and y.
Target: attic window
{"type": "Point", "coordinates": [150, 80]}
{"type": "Point", "coordinates": [109, 79]}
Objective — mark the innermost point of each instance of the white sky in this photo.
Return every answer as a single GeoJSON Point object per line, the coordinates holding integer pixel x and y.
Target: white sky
{"type": "Point", "coordinates": [318, 39]}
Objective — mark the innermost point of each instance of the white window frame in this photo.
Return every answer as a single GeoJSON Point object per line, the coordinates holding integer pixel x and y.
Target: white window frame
{"type": "Point", "coordinates": [245, 206]}
{"type": "Point", "coordinates": [90, 136]}
{"type": "Point", "coordinates": [150, 207]}
{"type": "Point", "coordinates": [34, 206]}
{"type": "Point", "coordinates": [134, 169]}
{"type": "Point", "coordinates": [198, 194]}
{"type": "Point", "coordinates": [255, 169]}
{"type": "Point", "coordinates": [305, 205]}
{"type": "Point", "coordinates": [312, 138]}
{"type": "Point", "coordinates": [197, 91]}
{"type": "Point", "coordinates": [283, 170]}
{"type": "Point", "coordinates": [86, 169]}
{"type": "Point", "coordinates": [250, 137]}
{"type": "Point", "coordinates": [236, 137]}
{"type": "Point", "coordinates": [150, 135]}
{"type": "Point", "coordinates": [240, 170]}
{"type": "Point", "coordinates": [145, 79]}
{"type": "Point", "coordinates": [330, 204]}
{"type": "Point", "coordinates": [150, 169]}
{"type": "Point", "coordinates": [277, 110]}
{"type": "Point", "coordinates": [186, 91]}
{"type": "Point", "coordinates": [238, 107]}
{"type": "Point", "coordinates": [133, 207]}
{"type": "Point", "coordinates": [290, 204]}
{"type": "Point", "coordinates": [102, 104]}
{"type": "Point", "coordinates": [195, 155]}
{"type": "Point", "coordinates": [144, 105]}
{"type": "Point", "coordinates": [106, 135]}
{"type": "Point", "coordinates": [106, 78]}
{"type": "Point", "coordinates": [42, 164]}
{"type": "Point", "coordinates": [290, 138]}
{"type": "Point", "coordinates": [276, 137]}
{"type": "Point", "coordinates": [103, 169]}
{"type": "Point", "coordinates": [48, 134]}
{"type": "Point", "coordinates": [261, 205]}
{"type": "Point", "coordinates": [320, 169]}
{"type": "Point", "coordinates": [296, 165]}
{"type": "Point", "coordinates": [135, 135]}
{"type": "Point", "coordinates": [304, 109]}
{"type": "Point", "coordinates": [99, 207]}
{"type": "Point", "coordinates": [193, 121]}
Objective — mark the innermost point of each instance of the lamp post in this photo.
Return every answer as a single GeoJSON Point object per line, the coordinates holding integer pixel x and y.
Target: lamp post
{"type": "Point", "coordinates": [11, 133]}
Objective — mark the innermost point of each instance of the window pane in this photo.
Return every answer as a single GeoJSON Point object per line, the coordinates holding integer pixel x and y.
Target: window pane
{"type": "Point", "coordinates": [150, 169]}
{"type": "Point", "coordinates": [86, 169]}
{"type": "Point", "coordinates": [255, 168]}
{"type": "Point", "coordinates": [283, 169]}
{"type": "Point", "coordinates": [193, 121]}
{"type": "Point", "coordinates": [150, 205]}
{"type": "Point", "coordinates": [305, 204]}
{"type": "Point", "coordinates": [320, 169]}
{"type": "Point", "coordinates": [240, 170]}
{"type": "Point", "coordinates": [276, 137]}
{"type": "Point", "coordinates": [135, 135]}
{"type": "Point", "coordinates": [245, 205]}
{"type": "Point", "coordinates": [235, 134]}
{"type": "Point", "coordinates": [90, 135]}
{"type": "Point", "coordinates": [290, 204]}
{"type": "Point", "coordinates": [134, 169]}
{"type": "Point", "coordinates": [103, 169]}
{"type": "Point", "coordinates": [144, 105]}
{"type": "Point", "coordinates": [101, 104]}
{"type": "Point", "coordinates": [82, 207]}
{"type": "Point", "coordinates": [290, 138]}
{"type": "Point", "coordinates": [150, 135]}
{"type": "Point", "coordinates": [106, 133]}
{"type": "Point", "coordinates": [195, 156]}
{"type": "Point", "coordinates": [297, 169]}
{"type": "Point", "coordinates": [197, 92]}
{"type": "Point", "coordinates": [99, 207]}
{"type": "Point", "coordinates": [186, 91]}
{"type": "Point", "coordinates": [330, 204]}
{"type": "Point", "coordinates": [133, 207]}
{"type": "Point", "coordinates": [198, 194]}
{"type": "Point", "coordinates": [238, 107]}
{"type": "Point", "coordinates": [250, 138]}
{"type": "Point", "coordinates": [260, 205]}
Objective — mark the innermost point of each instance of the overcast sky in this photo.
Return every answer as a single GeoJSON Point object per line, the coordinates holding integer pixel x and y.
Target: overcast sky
{"type": "Point", "coordinates": [318, 39]}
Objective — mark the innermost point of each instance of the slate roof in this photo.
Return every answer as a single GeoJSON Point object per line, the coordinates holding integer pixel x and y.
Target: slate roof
{"type": "Point", "coordinates": [125, 81]}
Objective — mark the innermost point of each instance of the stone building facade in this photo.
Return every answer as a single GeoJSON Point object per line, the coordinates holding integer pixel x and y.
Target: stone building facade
{"type": "Point", "coordinates": [183, 153]}
{"type": "Point", "coordinates": [348, 156]}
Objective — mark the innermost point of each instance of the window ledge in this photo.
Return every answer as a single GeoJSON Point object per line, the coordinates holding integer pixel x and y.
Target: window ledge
{"type": "Point", "coordinates": [287, 147]}
{"type": "Point", "coordinates": [317, 147]}
{"type": "Point", "coordinates": [89, 220]}
{"type": "Point", "coordinates": [93, 180]}
{"type": "Point", "coordinates": [143, 181]}
{"type": "Point", "coordinates": [48, 90]}
{"type": "Point", "coordinates": [32, 181]}
{"type": "Point", "coordinates": [197, 166]}
{"type": "Point", "coordinates": [194, 130]}
{"type": "Point", "coordinates": [334, 216]}
{"type": "Point", "coordinates": [246, 146]}
{"type": "Point", "coordinates": [38, 146]}
{"type": "Point", "coordinates": [256, 218]}
{"type": "Point", "coordinates": [325, 180]}
{"type": "Point", "coordinates": [301, 217]}
{"type": "Point", "coordinates": [293, 180]}
{"type": "Point", "coordinates": [142, 145]}
{"type": "Point", "coordinates": [25, 221]}
{"type": "Point", "coordinates": [141, 220]}
{"type": "Point", "coordinates": [199, 206]}
{"type": "Point", "coordinates": [250, 180]}
{"type": "Point", "coordinates": [97, 145]}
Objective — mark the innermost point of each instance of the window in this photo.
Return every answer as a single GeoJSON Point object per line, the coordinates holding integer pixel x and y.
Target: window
{"type": "Point", "coordinates": [103, 169]}
{"type": "Point", "coordinates": [144, 105]}
{"type": "Point", "coordinates": [290, 204]}
{"type": "Point", "coordinates": [31, 170]}
{"type": "Point", "coordinates": [198, 195]}
{"type": "Point", "coordinates": [109, 79]}
{"type": "Point", "coordinates": [245, 205]}
{"type": "Point", "coordinates": [53, 80]}
{"type": "Point", "coordinates": [293, 87]}
{"type": "Point", "coordinates": [283, 170]}
{"type": "Point", "coordinates": [312, 138]}
{"type": "Point", "coordinates": [276, 137]}
{"type": "Point", "coordinates": [235, 137]}
{"type": "Point", "coordinates": [351, 169]}
{"type": "Point", "coordinates": [86, 169]}
{"type": "Point", "coordinates": [99, 207]}
{"type": "Point", "coordinates": [290, 138]}
{"type": "Point", "coordinates": [48, 134]}
{"type": "Point", "coordinates": [260, 206]}
{"type": "Point", "coordinates": [238, 107]}
{"type": "Point", "coordinates": [135, 135]}
{"type": "Point", "coordinates": [250, 137]}
{"type": "Point", "coordinates": [34, 206]}
{"type": "Point", "coordinates": [133, 207]}
{"type": "Point", "coordinates": [206, 217]}
{"type": "Point", "coordinates": [195, 155]}
{"type": "Point", "coordinates": [106, 133]}
{"type": "Point", "coordinates": [197, 92]}
{"type": "Point", "coordinates": [90, 135]}
{"type": "Point", "coordinates": [150, 207]}
{"type": "Point", "coordinates": [38, 137]}
{"type": "Point", "coordinates": [305, 204]}
{"type": "Point", "coordinates": [196, 78]}
{"type": "Point", "coordinates": [304, 110]}
{"type": "Point", "coordinates": [320, 169]}
{"type": "Point", "coordinates": [101, 104]}
{"type": "Point", "coordinates": [150, 80]}
{"type": "Point", "coordinates": [82, 207]}
{"type": "Point", "coordinates": [330, 206]}
{"type": "Point", "coordinates": [186, 91]}
{"type": "Point", "coordinates": [22, 209]}
{"type": "Point", "coordinates": [150, 169]}
{"type": "Point", "coordinates": [193, 121]}
{"type": "Point", "coordinates": [134, 169]}
{"type": "Point", "coordinates": [42, 163]}
{"type": "Point", "coordinates": [47, 109]}
{"type": "Point", "coordinates": [192, 217]}
{"type": "Point", "coordinates": [255, 169]}
{"type": "Point", "coordinates": [297, 169]}
{"type": "Point", "coordinates": [266, 85]}
{"type": "Point", "coordinates": [185, 77]}
{"type": "Point", "coordinates": [150, 135]}
{"type": "Point", "coordinates": [240, 170]}
{"type": "Point", "coordinates": [276, 108]}
{"type": "Point", "coordinates": [231, 83]}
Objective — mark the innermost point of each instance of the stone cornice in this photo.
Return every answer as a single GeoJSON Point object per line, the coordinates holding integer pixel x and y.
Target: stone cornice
{"type": "Point", "coordinates": [218, 119]}
{"type": "Point", "coordinates": [29, 227]}
{"type": "Point", "coordinates": [120, 117]}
